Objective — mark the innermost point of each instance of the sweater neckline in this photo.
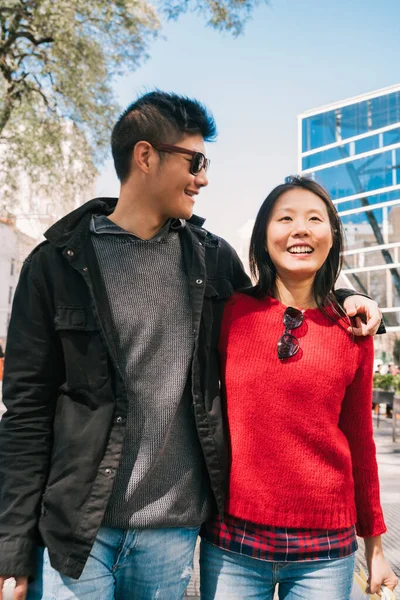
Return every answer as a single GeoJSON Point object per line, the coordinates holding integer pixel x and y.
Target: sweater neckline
{"type": "Point", "coordinates": [277, 304]}
{"type": "Point", "coordinates": [313, 313]}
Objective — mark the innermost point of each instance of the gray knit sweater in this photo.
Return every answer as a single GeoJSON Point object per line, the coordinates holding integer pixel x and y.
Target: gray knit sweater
{"type": "Point", "coordinates": [162, 479]}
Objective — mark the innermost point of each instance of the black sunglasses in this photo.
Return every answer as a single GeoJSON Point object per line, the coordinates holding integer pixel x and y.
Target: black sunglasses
{"type": "Point", "coordinates": [288, 344]}
{"type": "Point", "coordinates": [198, 162]}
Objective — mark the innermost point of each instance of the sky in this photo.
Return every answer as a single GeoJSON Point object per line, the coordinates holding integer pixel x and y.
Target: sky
{"type": "Point", "coordinates": [294, 55]}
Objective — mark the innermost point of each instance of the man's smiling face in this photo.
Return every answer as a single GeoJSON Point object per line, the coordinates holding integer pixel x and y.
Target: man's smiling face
{"type": "Point", "coordinates": [174, 185]}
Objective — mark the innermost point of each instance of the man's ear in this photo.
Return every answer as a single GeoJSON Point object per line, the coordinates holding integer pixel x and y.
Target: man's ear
{"type": "Point", "coordinates": [143, 156]}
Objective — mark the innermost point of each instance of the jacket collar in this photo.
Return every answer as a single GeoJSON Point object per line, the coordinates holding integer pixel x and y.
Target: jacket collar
{"type": "Point", "coordinates": [73, 229]}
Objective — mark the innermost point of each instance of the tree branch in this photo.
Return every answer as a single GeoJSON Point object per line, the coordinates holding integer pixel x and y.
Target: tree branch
{"type": "Point", "coordinates": [26, 35]}
{"type": "Point", "coordinates": [5, 113]}
{"type": "Point", "coordinates": [31, 38]}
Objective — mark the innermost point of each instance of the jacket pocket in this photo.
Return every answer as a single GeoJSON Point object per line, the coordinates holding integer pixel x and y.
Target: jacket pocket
{"type": "Point", "coordinates": [85, 355]}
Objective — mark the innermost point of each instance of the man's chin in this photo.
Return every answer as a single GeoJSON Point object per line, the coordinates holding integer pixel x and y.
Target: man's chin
{"type": "Point", "coordinates": [185, 213]}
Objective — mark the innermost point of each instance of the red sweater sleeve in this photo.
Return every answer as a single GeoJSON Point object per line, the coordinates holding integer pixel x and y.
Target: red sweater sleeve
{"type": "Point", "coordinates": [356, 424]}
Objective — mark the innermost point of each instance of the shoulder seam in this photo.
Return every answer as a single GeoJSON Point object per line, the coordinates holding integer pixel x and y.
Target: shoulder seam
{"type": "Point", "coordinates": [28, 259]}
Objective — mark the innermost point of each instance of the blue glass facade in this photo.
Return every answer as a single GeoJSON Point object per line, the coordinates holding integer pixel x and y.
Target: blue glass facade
{"type": "Point", "coordinates": [353, 149]}
{"type": "Point", "coordinates": [350, 120]}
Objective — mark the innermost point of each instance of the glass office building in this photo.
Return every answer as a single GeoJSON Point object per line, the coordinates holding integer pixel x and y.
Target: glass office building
{"type": "Point", "coordinates": [353, 149]}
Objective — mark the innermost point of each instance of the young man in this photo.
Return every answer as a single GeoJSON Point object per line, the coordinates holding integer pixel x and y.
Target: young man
{"type": "Point", "coordinates": [112, 451]}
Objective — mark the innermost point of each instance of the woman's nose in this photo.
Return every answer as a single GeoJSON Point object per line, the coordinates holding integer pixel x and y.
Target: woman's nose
{"type": "Point", "coordinates": [300, 228]}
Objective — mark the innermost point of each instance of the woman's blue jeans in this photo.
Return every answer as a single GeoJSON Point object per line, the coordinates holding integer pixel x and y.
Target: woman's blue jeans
{"type": "Point", "coordinates": [230, 576]}
{"type": "Point", "coordinates": [136, 564]}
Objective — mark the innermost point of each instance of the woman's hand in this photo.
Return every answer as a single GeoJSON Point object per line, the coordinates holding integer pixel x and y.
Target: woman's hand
{"type": "Point", "coordinates": [369, 309]}
{"type": "Point", "coordinates": [380, 572]}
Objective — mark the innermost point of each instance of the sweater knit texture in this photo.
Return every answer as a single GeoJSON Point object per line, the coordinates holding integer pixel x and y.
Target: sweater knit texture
{"type": "Point", "coordinates": [161, 480]}
{"type": "Point", "coordinates": [303, 453]}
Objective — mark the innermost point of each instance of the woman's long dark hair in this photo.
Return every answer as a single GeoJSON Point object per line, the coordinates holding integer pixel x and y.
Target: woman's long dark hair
{"type": "Point", "coordinates": [261, 266]}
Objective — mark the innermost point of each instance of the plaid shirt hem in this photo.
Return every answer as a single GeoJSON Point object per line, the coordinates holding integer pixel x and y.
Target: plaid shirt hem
{"type": "Point", "coordinates": [279, 544]}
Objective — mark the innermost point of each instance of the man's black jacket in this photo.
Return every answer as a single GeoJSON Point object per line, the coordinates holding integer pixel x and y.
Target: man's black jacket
{"type": "Point", "coordinates": [61, 437]}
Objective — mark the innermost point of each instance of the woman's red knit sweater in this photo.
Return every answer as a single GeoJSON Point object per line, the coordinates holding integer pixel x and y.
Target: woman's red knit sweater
{"type": "Point", "coordinates": [301, 434]}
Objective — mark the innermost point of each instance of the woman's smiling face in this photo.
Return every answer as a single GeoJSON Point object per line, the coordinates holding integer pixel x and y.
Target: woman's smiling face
{"type": "Point", "coordinates": [298, 234]}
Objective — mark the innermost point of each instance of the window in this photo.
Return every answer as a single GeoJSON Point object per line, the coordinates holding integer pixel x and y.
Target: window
{"type": "Point", "coordinates": [372, 142]}
{"type": "Point", "coordinates": [326, 156]}
{"type": "Point", "coordinates": [391, 137]}
{"type": "Point", "coordinates": [354, 119]}
{"type": "Point", "coordinates": [367, 144]}
{"type": "Point", "coordinates": [368, 228]}
{"type": "Point", "coordinates": [374, 283]}
{"type": "Point", "coordinates": [385, 110]}
{"type": "Point", "coordinates": [359, 230]}
{"type": "Point", "coordinates": [12, 266]}
{"type": "Point", "coordinates": [372, 199]}
{"type": "Point", "coordinates": [359, 175]}
{"type": "Point", "coordinates": [320, 130]}
{"type": "Point", "coordinates": [349, 121]}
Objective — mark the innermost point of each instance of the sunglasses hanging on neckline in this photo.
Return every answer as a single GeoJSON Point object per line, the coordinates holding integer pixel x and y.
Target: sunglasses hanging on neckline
{"type": "Point", "coordinates": [288, 344]}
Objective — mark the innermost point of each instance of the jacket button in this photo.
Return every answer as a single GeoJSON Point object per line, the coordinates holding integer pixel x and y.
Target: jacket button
{"type": "Point", "coordinates": [119, 419]}
{"type": "Point", "coordinates": [70, 253]}
{"type": "Point", "coordinates": [107, 471]}
{"type": "Point", "coordinates": [199, 281]}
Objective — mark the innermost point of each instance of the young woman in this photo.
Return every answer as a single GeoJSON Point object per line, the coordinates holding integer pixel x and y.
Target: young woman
{"type": "Point", "coordinates": [298, 390]}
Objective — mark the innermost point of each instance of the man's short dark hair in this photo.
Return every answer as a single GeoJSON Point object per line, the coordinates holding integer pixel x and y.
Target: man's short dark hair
{"type": "Point", "coordinates": [157, 117]}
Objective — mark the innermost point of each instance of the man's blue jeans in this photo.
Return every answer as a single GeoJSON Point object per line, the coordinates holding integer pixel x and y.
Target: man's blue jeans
{"type": "Point", "coordinates": [230, 576]}
{"type": "Point", "coordinates": [137, 564]}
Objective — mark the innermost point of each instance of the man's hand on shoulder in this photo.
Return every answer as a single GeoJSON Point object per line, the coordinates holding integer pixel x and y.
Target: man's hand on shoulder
{"type": "Point", "coordinates": [368, 309]}
{"type": "Point", "coordinates": [20, 590]}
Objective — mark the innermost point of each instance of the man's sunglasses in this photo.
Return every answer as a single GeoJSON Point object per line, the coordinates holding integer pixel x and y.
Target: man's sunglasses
{"type": "Point", "coordinates": [198, 162]}
{"type": "Point", "coordinates": [288, 344]}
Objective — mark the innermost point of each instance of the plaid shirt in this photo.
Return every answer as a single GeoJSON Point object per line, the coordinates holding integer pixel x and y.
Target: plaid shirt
{"type": "Point", "coordinates": [279, 543]}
